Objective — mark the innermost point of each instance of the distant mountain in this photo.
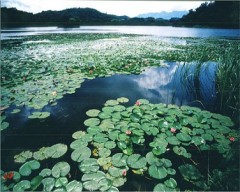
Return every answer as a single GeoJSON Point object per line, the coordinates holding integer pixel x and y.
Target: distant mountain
{"type": "Point", "coordinates": [164, 14]}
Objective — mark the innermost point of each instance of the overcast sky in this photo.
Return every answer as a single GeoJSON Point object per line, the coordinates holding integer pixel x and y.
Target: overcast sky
{"type": "Point", "coordinates": [129, 8]}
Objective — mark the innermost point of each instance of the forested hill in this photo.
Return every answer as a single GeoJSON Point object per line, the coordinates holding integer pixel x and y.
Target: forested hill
{"type": "Point", "coordinates": [71, 17]}
{"type": "Point", "coordinates": [223, 14]}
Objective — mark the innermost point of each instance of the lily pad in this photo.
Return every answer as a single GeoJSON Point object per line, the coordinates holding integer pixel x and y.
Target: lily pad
{"type": "Point", "coordinates": [23, 157]}
{"type": "Point", "coordinates": [183, 137]}
{"type": "Point", "coordinates": [35, 182]}
{"type": "Point", "coordinates": [89, 165]}
{"type": "Point", "coordinates": [48, 183]}
{"type": "Point", "coordinates": [27, 168]}
{"type": "Point", "coordinates": [22, 186]}
{"type": "Point", "coordinates": [92, 122]}
{"type": "Point", "coordinates": [119, 160]}
{"type": "Point", "coordinates": [93, 112]}
{"type": "Point", "coordinates": [61, 169]}
{"type": "Point", "coordinates": [74, 186]}
{"type": "Point", "coordinates": [190, 172]}
{"type": "Point", "coordinates": [157, 172]}
{"type": "Point", "coordinates": [136, 161]}
{"type": "Point", "coordinates": [80, 154]}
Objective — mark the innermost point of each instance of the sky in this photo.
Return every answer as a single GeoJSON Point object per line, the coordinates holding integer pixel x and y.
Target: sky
{"type": "Point", "coordinates": [129, 8]}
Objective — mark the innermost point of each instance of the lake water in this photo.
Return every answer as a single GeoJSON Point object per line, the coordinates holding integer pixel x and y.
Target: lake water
{"type": "Point", "coordinates": [162, 31]}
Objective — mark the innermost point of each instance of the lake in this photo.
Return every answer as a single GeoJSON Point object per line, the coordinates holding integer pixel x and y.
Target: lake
{"type": "Point", "coordinates": [162, 31]}
{"type": "Point", "coordinates": [149, 103]}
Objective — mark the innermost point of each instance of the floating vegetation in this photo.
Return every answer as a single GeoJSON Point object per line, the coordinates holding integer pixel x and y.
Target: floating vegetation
{"type": "Point", "coordinates": [163, 143]}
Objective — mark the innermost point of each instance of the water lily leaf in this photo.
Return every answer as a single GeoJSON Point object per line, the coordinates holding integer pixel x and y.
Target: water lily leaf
{"type": "Point", "coordinates": [92, 112]}
{"type": "Point", "coordinates": [89, 166]}
{"type": "Point", "coordinates": [26, 168]}
{"type": "Point", "coordinates": [111, 102]}
{"type": "Point", "coordinates": [35, 182]}
{"type": "Point", "coordinates": [57, 150]}
{"type": "Point", "coordinates": [136, 161]}
{"type": "Point", "coordinates": [122, 100]}
{"type": "Point", "coordinates": [39, 115]}
{"type": "Point", "coordinates": [119, 160]}
{"type": "Point", "coordinates": [190, 172]}
{"type": "Point", "coordinates": [74, 186]}
{"type": "Point", "coordinates": [143, 101]}
{"type": "Point", "coordinates": [22, 186]}
{"type": "Point", "coordinates": [92, 122]}
{"type": "Point", "coordinates": [80, 154]}
{"type": "Point", "coordinates": [78, 144]}
{"type": "Point", "coordinates": [61, 169]}
{"type": "Point", "coordinates": [173, 140]}
{"type": "Point", "coordinates": [171, 183]}
{"type": "Point", "coordinates": [113, 189]}
{"type": "Point", "coordinates": [62, 181]}
{"type": "Point", "coordinates": [23, 157]}
{"type": "Point", "coordinates": [119, 181]}
{"type": "Point", "coordinates": [110, 144]}
{"type": "Point", "coordinates": [15, 111]}
{"type": "Point", "coordinates": [78, 134]}
{"type": "Point", "coordinates": [104, 152]}
{"type": "Point", "coordinates": [48, 183]}
{"type": "Point", "coordinates": [119, 108]}
{"type": "Point", "coordinates": [159, 150]}
{"type": "Point", "coordinates": [92, 181]}
{"type": "Point", "coordinates": [161, 187]}
{"type": "Point", "coordinates": [183, 137]}
{"type": "Point", "coordinates": [151, 158]}
{"type": "Point", "coordinates": [157, 172]}
{"type": "Point", "coordinates": [4, 125]}
{"type": "Point", "coordinates": [181, 151]}
{"type": "Point", "coordinates": [45, 172]}
{"type": "Point", "coordinates": [115, 172]}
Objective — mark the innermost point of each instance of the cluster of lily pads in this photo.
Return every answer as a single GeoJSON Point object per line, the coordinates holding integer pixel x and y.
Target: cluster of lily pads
{"type": "Point", "coordinates": [155, 141]}
{"type": "Point", "coordinates": [37, 74]}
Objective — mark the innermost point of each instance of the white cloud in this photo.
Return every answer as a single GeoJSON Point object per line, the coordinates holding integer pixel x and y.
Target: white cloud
{"type": "Point", "coordinates": [129, 8]}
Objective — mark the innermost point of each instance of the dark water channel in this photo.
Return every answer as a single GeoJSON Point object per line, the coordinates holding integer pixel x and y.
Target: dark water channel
{"type": "Point", "coordinates": [158, 85]}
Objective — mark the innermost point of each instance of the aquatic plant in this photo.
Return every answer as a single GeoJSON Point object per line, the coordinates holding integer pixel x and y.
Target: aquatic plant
{"type": "Point", "coordinates": [163, 143]}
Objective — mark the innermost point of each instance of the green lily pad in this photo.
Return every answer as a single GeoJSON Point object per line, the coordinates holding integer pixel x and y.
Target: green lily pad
{"type": "Point", "coordinates": [111, 102]}
{"type": "Point", "coordinates": [173, 140]}
{"type": "Point", "coordinates": [15, 111]}
{"type": "Point", "coordinates": [39, 115]}
{"type": "Point", "coordinates": [183, 137]}
{"type": "Point", "coordinates": [162, 188]}
{"type": "Point", "coordinates": [61, 169]}
{"type": "Point", "coordinates": [119, 160]}
{"type": "Point", "coordinates": [190, 172]}
{"type": "Point", "coordinates": [92, 112]}
{"type": "Point", "coordinates": [92, 122]}
{"type": "Point", "coordinates": [45, 172]}
{"type": "Point", "coordinates": [23, 157]}
{"type": "Point", "coordinates": [61, 182]}
{"type": "Point", "coordinates": [27, 168]}
{"type": "Point", "coordinates": [78, 144]}
{"type": "Point", "coordinates": [89, 165]}
{"type": "Point", "coordinates": [35, 182]}
{"type": "Point", "coordinates": [48, 183]}
{"type": "Point", "coordinates": [157, 172]}
{"type": "Point", "coordinates": [78, 134]}
{"type": "Point", "coordinates": [57, 150]}
{"type": "Point", "coordinates": [122, 100]}
{"type": "Point", "coordinates": [171, 183]}
{"type": "Point", "coordinates": [22, 186]}
{"type": "Point", "coordinates": [74, 186]}
{"type": "Point", "coordinates": [4, 125]}
{"type": "Point", "coordinates": [110, 144]}
{"type": "Point", "coordinates": [80, 154]}
{"type": "Point", "coordinates": [136, 161]}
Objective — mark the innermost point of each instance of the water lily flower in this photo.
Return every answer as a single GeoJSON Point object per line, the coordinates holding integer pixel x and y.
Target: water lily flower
{"type": "Point", "coordinates": [138, 103]}
{"type": "Point", "coordinates": [173, 130]}
{"type": "Point", "coordinates": [8, 176]}
{"type": "Point", "coordinates": [232, 139]}
{"type": "Point", "coordinates": [128, 132]}
{"type": "Point", "coordinates": [124, 173]}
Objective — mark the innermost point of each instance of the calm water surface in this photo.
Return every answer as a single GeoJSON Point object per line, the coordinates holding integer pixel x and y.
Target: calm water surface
{"type": "Point", "coordinates": [163, 31]}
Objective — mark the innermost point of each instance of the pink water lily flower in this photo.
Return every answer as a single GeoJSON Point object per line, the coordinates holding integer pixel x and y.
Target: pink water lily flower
{"type": "Point", "coordinates": [173, 130]}
{"type": "Point", "coordinates": [138, 103]}
{"type": "Point", "coordinates": [128, 132]}
{"type": "Point", "coordinates": [232, 139]}
{"type": "Point", "coordinates": [124, 172]}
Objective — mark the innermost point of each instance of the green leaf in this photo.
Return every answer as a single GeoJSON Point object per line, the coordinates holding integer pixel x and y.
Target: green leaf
{"type": "Point", "coordinates": [61, 182]}
{"type": "Point", "coordinates": [48, 183]}
{"type": "Point", "coordinates": [183, 137]}
{"type": "Point", "coordinates": [171, 183]}
{"type": "Point", "coordinates": [35, 182]}
{"type": "Point", "coordinates": [89, 166]}
{"type": "Point", "coordinates": [61, 169]}
{"type": "Point", "coordinates": [157, 172]}
{"type": "Point", "coordinates": [27, 168]}
{"type": "Point", "coordinates": [92, 122]}
{"type": "Point", "coordinates": [119, 160]}
{"type": "Point", "coordinates": [22, 157]}
{"type": "Point", "coordinates": [45, 172]}
{"type": "Point", "coordinates": [92, 112]}
{"type": "Point", "coordinates": [57, 150]}
{"type": "Point", "coordinates": [136, 161]}
{"type": "Point", "coordinates": [190, 172]}
{"type": "Point", "coordinates": [74, 186]}
{"type": "Point", "coordinates": [80, 154]}
{"type": "Point", "coordinates": [22, 186]}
